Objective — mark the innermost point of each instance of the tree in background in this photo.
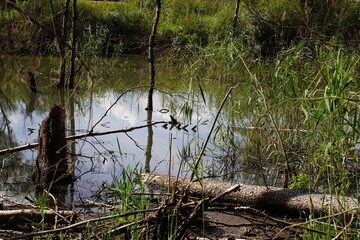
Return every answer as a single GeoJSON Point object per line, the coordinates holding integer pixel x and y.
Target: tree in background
{"type": "Point", "coordinates": [151, 54]}
{"type": "Point", "coordinates": [61, 24]}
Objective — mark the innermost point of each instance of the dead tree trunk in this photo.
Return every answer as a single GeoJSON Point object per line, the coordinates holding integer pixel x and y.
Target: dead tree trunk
{"type": "Point", "coordinates": [51, 163]}
{"type": "Point", "coordinates": [274, 199]}
{"type": "Point", "coordinates": [152, 56]}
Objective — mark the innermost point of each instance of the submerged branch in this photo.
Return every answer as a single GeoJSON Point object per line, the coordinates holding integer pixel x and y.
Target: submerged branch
{"type": "Point", "coordinates": [84, 135]}
{"type": "Point", "coordinates": [91, 133]}
{"type": "Point", "coordinates": [113, 104]}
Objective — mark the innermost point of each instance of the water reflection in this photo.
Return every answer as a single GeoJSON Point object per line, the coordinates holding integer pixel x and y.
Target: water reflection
{"type": "Point", "coordinates": [95, 160]}
{"type": "Point", "coordinates": [149, 144]}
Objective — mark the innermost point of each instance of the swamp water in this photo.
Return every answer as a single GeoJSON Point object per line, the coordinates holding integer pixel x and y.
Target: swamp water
{"type": "Point", "coordinates": [97, 160]}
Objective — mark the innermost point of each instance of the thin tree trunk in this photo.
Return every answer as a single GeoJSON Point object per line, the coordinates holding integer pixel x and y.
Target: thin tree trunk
{"type": "Point", "coordinates": [61, 39]}
{"type": "Point", "coordinates": [236, 16]}
{"type": "Point", "coordinates": [65, 20]}
{"type": "Point", "coordinates": [57, 35]}
{"type": "Point", "coordinates": [53, 21]}
{"type": "Point", "coordinates": [152, 56]}
{"type": "Point", "coordinates": [73, 45]}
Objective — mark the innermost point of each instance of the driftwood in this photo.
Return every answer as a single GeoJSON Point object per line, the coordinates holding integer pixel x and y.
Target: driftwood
{"type": "Point", "coordinates": [51, 162]}
{"type": "Point", "coordinates": [274, 199]}
{"type": "Point", "coordinates": [33, 215]}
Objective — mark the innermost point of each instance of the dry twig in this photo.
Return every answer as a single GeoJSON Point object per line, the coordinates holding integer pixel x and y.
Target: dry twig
{"type": "Point", "coordinates": [85, 222]}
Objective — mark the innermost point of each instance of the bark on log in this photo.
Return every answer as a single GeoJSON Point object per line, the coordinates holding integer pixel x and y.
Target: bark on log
{"type": "Point", "coordinates": [274, 199]}
{"type": "Point", "coordinates": [51, 163]}
{"type": "Point", "coordinates": [26, 215]}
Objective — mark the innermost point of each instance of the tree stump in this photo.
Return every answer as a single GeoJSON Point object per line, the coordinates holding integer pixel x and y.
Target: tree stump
{"type": "Point", "coordinates": [51, 162]}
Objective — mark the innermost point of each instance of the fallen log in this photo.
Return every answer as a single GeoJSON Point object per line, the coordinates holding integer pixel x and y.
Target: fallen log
{"type": "Point", "coordinates": [274, 199]}
{"type": "Point", "coordinates": [34, 215]}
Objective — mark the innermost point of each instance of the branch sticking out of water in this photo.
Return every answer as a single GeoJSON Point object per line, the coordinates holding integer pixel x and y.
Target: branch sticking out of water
{"type": "Point", "coordinates": [112, 105]}
{"type": "Point", "coordinates": [84, 135]}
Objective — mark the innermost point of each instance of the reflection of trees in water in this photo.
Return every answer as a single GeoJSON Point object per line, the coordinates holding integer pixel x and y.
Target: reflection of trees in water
{"type": "Point", "coordinates": [6, 106]}
{"type": "Point", "coordinates": [80, 103]}
{"type": "Point", "coordinates": [16, 169]}
{"type": "Point", "coordinates": [73, 157]}
{"type": "Point", "coordinates": [12, 168]}
{"type": "Point", "coordinates": [14, 174]}
{"type": "Point", "coordinates": [149, 144]}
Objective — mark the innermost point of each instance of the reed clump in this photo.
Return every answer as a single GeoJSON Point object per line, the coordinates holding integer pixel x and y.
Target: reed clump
{"type": "Point", "coordinates": [295, 121]}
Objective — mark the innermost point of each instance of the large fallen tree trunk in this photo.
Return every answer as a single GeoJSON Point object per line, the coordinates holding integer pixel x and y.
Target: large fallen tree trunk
{"type": "Point", "coordinates": [279, 200]}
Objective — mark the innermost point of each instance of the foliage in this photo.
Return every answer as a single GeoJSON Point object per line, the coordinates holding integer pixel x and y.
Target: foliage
{"type": "Point", "coordinates": [264, 27]}
{"type": "Point", "coordinates": [111, 27]}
